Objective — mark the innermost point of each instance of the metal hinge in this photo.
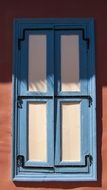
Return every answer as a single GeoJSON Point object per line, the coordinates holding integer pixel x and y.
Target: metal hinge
{"type": "Point", "coordinates": [89, 159]}
{"type": "Point", "coordinates": [90, 100]}
{"type": "Point", "coordinates": [19, 102]}
{"type": "Point", "coordinates": [20, 161]}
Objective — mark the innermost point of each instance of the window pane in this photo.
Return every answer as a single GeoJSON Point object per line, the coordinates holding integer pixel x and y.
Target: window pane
{"type": "Point", "coordinates": [70, 131]}
{"type": "Point", "coordinates": [37, 140]}
{"type": "Point", "coordinates": [37, 63]}
{"type": "Point", "coordinates": [70, 63]}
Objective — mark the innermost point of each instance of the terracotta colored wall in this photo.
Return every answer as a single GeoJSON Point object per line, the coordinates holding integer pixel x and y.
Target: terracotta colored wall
{"type": "Point", "coordinates": [52, 8]}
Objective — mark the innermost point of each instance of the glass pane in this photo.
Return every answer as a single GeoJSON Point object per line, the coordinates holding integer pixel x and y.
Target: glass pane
{"type": "Point", "coordinates": [70, 131]}
{"type": "Point", "coordinates": [37, 63]}
{"type": "Point", "coordinates": [70, 63]}
{"type": "Point", "coordinates": [37, 140]}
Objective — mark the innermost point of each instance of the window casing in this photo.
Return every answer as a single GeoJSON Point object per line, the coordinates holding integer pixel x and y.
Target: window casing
{"type": "Point", "coordinates": [54, 127]}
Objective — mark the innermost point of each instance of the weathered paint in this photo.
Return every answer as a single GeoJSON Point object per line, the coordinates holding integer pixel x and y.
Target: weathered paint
{"type": "Point", "coordinates": [47, 8]}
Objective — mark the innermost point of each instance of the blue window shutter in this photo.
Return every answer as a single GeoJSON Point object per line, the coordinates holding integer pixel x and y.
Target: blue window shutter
{"type": "Point", "coordinates": [54, 169]}
{"type": "Point", "coordinates": [24, 62]}
{"type": "Point", "coordinates": [82, 61]}
{"type": "Point", "coordinates": [84, 135]}
{"type": "Point", "coordinates": [31, 96]}
{"type": "Point", "coordinates": [23, 133]}
{"type": "Point", "coordinates": [73, 96]}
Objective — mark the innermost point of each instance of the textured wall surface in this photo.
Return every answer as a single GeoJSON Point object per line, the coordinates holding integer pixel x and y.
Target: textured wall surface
{"type": "Point", "coordinates": [52, 8]}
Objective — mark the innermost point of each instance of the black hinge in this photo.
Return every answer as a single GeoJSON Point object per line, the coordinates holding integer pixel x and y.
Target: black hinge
{"type": "Point", "coordinates": [53, 27]}
{"type": "Point", "coordinates": [19, 102]}
{"type": "Point", "coordinates": [90, 100]}
{"type": "Point", "coordinates": [20, 161]}
{"type": "Point", "coordinates": [89, 159]}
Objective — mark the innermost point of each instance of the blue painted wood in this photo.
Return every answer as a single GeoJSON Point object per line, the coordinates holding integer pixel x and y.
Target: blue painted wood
{"type": "Point", "coordinates": [14, 98]}
{"type": "Point", "coordinates": [92, 89]}
{"type": "Point", "coordinates": [24, 63]}
{"type": "Point", "coordinates": [51, 27]}
{"type": "Point", "coordinates": [84, 132]}
{"type": "Point", "coordinates": [82, 63]}
{"type": "Point", "coordinates": [23, 133]}
{"type": "Point", "coordinates": [33, 176]}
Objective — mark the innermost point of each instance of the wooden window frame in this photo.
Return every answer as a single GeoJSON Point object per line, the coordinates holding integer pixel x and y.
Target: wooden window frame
{"type": "Point", "coordinates": [54, 170]}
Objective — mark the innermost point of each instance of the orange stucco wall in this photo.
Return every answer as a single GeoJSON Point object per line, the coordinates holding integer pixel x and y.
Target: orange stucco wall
{"type": "Point", "coordinates": [52, 8]}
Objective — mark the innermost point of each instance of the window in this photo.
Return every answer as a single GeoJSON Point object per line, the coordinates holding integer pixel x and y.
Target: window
{"type": "Point", "coordinates": [54, 126]}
